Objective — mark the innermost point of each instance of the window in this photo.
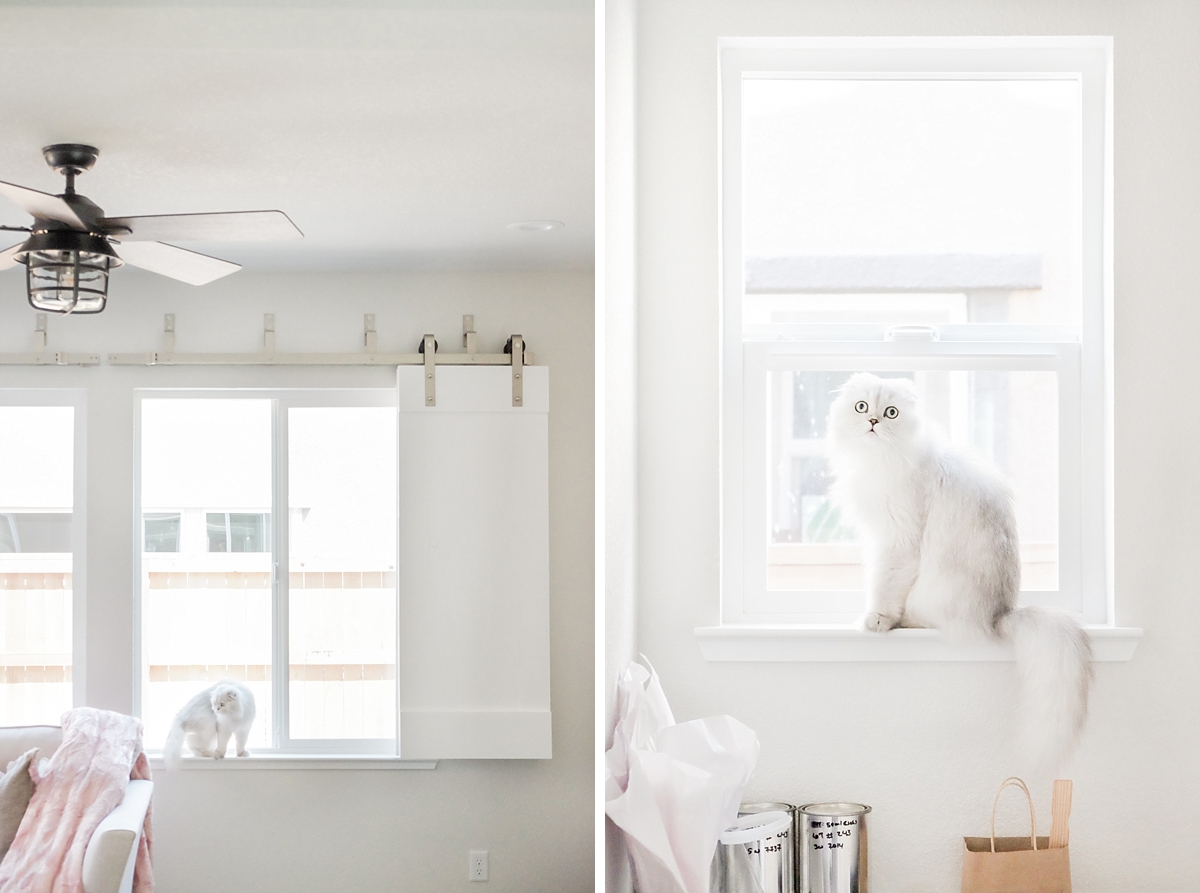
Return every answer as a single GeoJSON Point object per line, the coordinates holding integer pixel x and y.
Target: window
{"type": "Point", "coordinates": [269, 557]}
{"type": "Point", "coordinates": [41, 454]}
{"type": "Point", "coordinates": [238, 531]}
{"type": "Point", "coordinates": [932, 209]}
{"type": "Point", "coordinates": [162, 531]}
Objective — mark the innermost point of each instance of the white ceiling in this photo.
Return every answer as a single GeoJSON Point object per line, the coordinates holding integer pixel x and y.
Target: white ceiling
{"type": "Point", "coordinates": [396, 136]}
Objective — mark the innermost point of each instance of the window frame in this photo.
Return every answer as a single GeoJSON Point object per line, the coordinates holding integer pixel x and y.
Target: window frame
{"type": "Point", "coordinates": [76, 398]}
{"type": "Point", "coordinates": [282, 399]}
{"type": "Point", "coordinates": [1085, 367]}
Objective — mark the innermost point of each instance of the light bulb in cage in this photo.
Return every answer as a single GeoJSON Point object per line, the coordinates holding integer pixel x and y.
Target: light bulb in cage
{"type": "Point", "coordinates": [66, 271]}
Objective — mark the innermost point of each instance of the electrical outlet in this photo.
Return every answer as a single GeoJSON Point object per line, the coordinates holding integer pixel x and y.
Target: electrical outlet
{"type": "Point", "coordinates": [477, 869]}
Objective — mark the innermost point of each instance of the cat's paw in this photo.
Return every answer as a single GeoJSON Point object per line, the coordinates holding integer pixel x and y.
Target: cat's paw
{"type": "Point", "coordinates": [218, 756]}
{"type": "Point", "coordinates": [879, 623]}
{"type": "Point", "coordinates": [206, 753]}
{"type": "Point", "coordinates": [243, 753]}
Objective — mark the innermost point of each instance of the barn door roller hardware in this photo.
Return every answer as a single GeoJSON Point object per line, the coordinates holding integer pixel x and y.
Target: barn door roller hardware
{"type": "Point", "coordinates": [516, 349]}
{"type": "Point", "coordinates": [516, 354]}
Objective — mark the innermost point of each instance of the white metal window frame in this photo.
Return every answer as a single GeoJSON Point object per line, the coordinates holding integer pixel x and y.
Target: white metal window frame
{"type": "Point", "coordinates": [1084, 368]}
{"type": "Point", "coordinates": [76, 398]}
{"type": "Point", "coordinates": [282, 400]}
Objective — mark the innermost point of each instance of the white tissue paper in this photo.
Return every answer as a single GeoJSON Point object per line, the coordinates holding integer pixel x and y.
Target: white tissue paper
{"type": "Point", "coordinates": [673, 788]}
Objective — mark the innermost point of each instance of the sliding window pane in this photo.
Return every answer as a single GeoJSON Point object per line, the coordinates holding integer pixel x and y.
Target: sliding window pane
{"type": "Point", "coordinates": [342, 572]}
{"type": "Point", "coordinates": [37, 454]}
{"type": "Point", "coordinates": [206, 608]}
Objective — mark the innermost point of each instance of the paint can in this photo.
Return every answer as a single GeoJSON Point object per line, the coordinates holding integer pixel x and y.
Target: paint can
{"type": "Point", "coordinates": [833, 848]}
{"type": "Point", "coordinates": [786, 841]}
{"type": "Point", "coordinates": [751, 856]}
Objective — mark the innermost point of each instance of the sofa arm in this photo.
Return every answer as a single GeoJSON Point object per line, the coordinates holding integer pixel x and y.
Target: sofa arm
{"type": "Point", "coordinates": [108, 860]}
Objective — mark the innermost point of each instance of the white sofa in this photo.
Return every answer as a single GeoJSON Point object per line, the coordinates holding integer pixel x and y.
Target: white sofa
{"type": "Point", "coordinates": [108, 861]}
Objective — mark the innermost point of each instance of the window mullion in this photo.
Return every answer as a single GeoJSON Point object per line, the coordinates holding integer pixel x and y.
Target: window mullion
{"type": "Point", "coordinates": [280, 659]}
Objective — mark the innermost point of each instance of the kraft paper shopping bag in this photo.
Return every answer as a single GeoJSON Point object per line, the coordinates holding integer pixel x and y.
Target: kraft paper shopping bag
{"type": "Point", "coordinates": [1020, 864]}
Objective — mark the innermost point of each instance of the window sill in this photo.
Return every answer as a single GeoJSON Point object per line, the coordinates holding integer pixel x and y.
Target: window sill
{"type": "Point", "coordinates": [842, 643]}
{"type": "Point", "coordinates": [295, 761]}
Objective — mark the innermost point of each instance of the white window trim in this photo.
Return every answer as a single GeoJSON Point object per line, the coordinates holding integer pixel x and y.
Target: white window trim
{"type": "Point", "coordinates": [77, 399]}
{"type": "Point", "coordinates": [285, 752]}
{"type": "Point", "coordinates": [745, 634]}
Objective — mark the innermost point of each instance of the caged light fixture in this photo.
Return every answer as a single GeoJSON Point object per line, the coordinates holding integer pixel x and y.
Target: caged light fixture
{"type": "Point", "coordinates": [66, 271]}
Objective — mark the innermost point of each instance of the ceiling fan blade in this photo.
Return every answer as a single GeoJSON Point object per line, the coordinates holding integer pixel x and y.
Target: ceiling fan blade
{"type": "Point", "coordinates": [6, 256]}
{"type": "Point", "coordinates": [224, 226]}
{"type": "Point", "coordinates": [178, 263]}
{"type": "Point", "coordinates": [41, 204]}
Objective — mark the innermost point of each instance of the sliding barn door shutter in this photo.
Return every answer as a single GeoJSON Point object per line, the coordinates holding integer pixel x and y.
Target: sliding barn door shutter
{"type": "Point", "coordinates": [473, 572]}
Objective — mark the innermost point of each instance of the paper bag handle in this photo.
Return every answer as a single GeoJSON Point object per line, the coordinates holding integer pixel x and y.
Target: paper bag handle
{"type": "Point", "coordinates": [1018, 783]}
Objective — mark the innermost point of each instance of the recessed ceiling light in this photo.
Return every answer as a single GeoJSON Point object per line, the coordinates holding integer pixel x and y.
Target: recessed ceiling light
{"type": "Point", "coordinates": [536, 226]}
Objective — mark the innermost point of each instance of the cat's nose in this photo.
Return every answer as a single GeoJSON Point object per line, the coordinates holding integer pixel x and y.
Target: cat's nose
{"type": "Point", "coordinates": [873, 421]}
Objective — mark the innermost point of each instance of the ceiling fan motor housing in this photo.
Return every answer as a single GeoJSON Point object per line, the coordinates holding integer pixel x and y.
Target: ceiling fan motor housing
{"type": "Point", "coordinates": [73, 157]}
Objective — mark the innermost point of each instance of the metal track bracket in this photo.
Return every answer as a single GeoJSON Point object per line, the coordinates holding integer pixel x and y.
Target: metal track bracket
{"type": "Point", "coordinates": [429, 351]}
{"type": "Point", "coordinates": [369, 339]}
{"type": "Point", "coordinates": [518, 364]}
{"type": "Point", "coordinates": [40, 356]}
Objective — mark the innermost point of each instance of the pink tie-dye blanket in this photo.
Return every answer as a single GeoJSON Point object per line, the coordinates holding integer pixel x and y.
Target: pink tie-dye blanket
{"type": "Point", "coordinates": [82, 782]}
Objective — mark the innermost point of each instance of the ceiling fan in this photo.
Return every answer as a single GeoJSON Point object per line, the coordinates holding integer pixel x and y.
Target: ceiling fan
{"type": "Point", "coordinates": [72, 246]}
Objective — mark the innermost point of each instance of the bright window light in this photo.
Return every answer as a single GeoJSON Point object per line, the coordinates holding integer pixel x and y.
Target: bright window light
{"type": "Point", "coordinates": [36, 562]}
{"type": "Point", "coordinates": [270, 559]}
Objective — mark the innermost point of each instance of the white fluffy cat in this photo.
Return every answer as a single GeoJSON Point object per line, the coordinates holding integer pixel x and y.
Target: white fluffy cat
{"type": "Point", "coordinates": [942, 552]}
{"type": "Point", "coordinates": [208, 721]}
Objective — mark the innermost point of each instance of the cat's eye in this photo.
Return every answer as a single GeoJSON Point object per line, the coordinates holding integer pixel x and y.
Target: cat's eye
{"type": "Point", "coordinates": [861, 406]}
{"type": "Point", "coordinates": [891, 412]}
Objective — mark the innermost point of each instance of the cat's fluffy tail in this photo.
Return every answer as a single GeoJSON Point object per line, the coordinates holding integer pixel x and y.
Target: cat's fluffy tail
{"type": "Point", "coordinates": [173, 749]}
{"type": "Point", "coordinates": [1054, 666]}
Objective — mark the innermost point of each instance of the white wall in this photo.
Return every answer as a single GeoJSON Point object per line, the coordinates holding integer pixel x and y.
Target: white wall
{"type": "Point", "coordinates": [926, 744]}
{"type": "Point", "coordinates": [322, 830]}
